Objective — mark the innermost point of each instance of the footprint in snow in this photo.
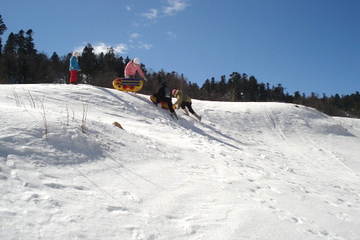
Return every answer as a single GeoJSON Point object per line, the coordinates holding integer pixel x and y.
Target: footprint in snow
{"type": "Point", "coordinates": [116, 209]}
{"type": "Point", "coordinates": [55, 185]}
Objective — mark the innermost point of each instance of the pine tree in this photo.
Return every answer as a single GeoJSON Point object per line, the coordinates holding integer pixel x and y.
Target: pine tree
{"type": "Point", "coordinates": [107, 73]}
{"type": "Point", "coordinates": [212, 85]}
{"type": "Point", "coordinates": [2, 69]}
{"type": "Point", "coordinates": [55, 59]}
{"type": "Point", "coordinates": [22, 67]}
{"type": "Point", "coordinates": [3, 27]}
{"type": "Point", "coordinates": [10, 46]}
{"type": "Point", "coordinates": [252, 89]}
{"type": "Point", "coordinates": [34, 61]}
{"type": "Point", "coordinates": [55, 68]}
{"type": "Point", "coordinates": [222, 85]}
{"type": "Point", "coordinates": [88, 63]}
{"type": "Point", "coordinates": [100, 61]}
{"type": "Point", "coordinates": [29, 44]}
{"type": "Point", "coordinates": [127, 60]}
{"type": "Point", "coordinates": [262, 93]}
{"type": "Point", "coordinates": [120, 67]}
{"type": "Point", "coordinates": [206, 86]}
{"type": "Point", "coordinates": [297, 98]}
{"type": "Point", "coordinates": [235, 86]}
{"type": "Point", "coordinates": [40, 71]}
{"type": "Point", "coordinates": [2, 30]}
{"type": "Point", "coordinates": [109, 61]}
{"type": "Point", "coordinates": [279, 93]}
{"type": "Point", "coordinates": [9, 61]}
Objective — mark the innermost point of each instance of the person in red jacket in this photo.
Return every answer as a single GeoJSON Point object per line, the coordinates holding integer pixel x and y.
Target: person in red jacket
{"type": "Point", "coordinates": [133, 67]}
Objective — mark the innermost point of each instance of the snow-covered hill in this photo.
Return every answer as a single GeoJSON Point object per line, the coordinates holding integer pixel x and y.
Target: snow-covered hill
{"type": "Point", "coordinates": [247, 171]}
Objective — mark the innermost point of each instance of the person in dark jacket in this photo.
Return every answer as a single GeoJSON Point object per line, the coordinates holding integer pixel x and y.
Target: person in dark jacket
{"type": "Point", "coordinates": [184, 101]}
{"type": "Point", "coordinates": [164, 94]}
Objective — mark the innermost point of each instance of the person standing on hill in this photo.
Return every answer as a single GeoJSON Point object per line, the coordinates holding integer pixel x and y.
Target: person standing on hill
{"type": "Point", "coordinates": [184, 101]}
{"type": "Point", "coordinates": [74, 67]}
{"type": "Point", "coordinates": [133, 67]}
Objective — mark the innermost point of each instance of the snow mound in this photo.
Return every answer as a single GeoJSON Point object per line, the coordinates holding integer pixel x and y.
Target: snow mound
{"type": "Point", "coordinates": [66, 172]}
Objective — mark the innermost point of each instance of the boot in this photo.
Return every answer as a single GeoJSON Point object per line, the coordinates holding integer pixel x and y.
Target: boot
{"type": "Point", "coordinates": [174, 116]}
{"type": "Point", "coordinates": [186, 112]}
{"type": "Point", "coordinates": [197, 116]}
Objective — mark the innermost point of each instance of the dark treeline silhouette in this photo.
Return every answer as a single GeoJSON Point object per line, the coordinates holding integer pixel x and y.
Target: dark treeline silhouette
{"type": "Point", "coordinates": [20, 62]}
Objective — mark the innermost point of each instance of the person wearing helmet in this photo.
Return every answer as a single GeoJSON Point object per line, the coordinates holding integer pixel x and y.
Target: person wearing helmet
{"type": "Point", "coordinates": [74, 67]}
{"type": "Point", "coordinates": [164, 94]}
{"type": "Point", "coordinates": [133, 67]}
{"type": "Point", "coordinates": [184, 101]}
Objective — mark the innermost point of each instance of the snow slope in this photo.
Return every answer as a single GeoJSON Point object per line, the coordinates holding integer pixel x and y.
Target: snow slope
{"type": "Point", "coordinates": [247, 171]}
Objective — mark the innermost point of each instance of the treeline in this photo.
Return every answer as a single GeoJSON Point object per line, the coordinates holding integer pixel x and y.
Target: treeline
{"type": "Point", "coordinates": [20, 62]}
{"type": "Point", "coordinates": [241, 87]}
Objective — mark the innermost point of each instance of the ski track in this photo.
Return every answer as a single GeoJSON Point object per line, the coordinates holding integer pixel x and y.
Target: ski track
{"type": "Point", "coordinates": [266, 166]}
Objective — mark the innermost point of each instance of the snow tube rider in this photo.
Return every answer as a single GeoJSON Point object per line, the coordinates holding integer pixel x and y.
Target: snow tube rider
{"type": "Point", "coordinates": [164, 94]}
{"type": "Point", "coordinates": [184, 101]}
{"type": "Point", "coordinates": [133, 67]}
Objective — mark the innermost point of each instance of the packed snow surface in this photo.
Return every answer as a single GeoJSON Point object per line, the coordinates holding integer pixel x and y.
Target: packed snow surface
{"type": "Point", "coordinates": [246, 171]}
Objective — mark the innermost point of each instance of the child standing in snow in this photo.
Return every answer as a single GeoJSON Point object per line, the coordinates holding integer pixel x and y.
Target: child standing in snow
{"type": "Point", "coordinates": [183, 101]}
{"type": "Point", "coordinates": [74, 68]}
{"type": "Point", "coordinates": [164, 94]}
{"type": "Point", "coordinates": [133, 67]}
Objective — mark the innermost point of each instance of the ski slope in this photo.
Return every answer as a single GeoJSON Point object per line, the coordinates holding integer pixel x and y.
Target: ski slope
{"type": "Point", "coordinates": [247, 171]}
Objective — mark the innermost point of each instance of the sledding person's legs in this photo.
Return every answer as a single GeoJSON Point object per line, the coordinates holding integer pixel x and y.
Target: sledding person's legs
{"type": "Point", "coordinates": [197, 116]}
{"type": "Point", "coordinates": [173, 115]}
{"type": "Point", "coordinates": [170, 106]}
{"type": "Point", "coordinates": [158, 104]}
{"type": "Point", "coordinates": [191, 110]}
{"type": "Point", "coordinates": [169, 103]}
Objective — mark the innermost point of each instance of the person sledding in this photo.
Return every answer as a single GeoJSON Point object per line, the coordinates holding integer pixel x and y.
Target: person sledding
{"type": "Point", "coordinates": [133, 67]}
{"type": "Point", "coordinates": [184, 101]}
{"type": "Point", "coordinates": [164, 94]}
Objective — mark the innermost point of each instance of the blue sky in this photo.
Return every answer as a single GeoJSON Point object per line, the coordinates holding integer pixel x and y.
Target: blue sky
{"type": "Point", "coordinates": [306, 45]}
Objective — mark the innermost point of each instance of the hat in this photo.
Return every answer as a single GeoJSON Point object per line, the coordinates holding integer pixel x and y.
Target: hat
{"type": "Point", "coordinates": [174, 92]}
{"type": "Point", "coordinates": [136, 61]}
